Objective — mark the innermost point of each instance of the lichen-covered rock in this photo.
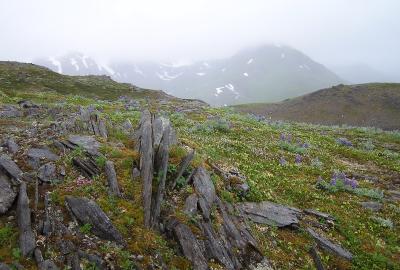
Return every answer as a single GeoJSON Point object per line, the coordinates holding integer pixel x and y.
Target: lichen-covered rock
{"type": "Point", "coordinates": [7, 194]}
{"type": "Point", "coordinates": [112, 178]}
{"type": "Point", "coordinates": [27, 241]}
{"type": "Point", "coordinates": [270, 213]}
{"type": "Point", "coordinates": [37, 155]}
{"type": "Point", "coordinates": [89, 143]}
{"type": "Point", "coordinates": [204, 187]}
{"type": "Point", "coordinates": [88, 212]}
{"type": "Point", "coordinates": [47, 172]}
{"type": "Point", "coordinates": [329, 246]}
{"type": "Point", "coordinates": [10, 167]}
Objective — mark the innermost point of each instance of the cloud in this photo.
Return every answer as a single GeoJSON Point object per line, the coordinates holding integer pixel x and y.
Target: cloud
{"type": "Point", "coordinates": [330, 31]}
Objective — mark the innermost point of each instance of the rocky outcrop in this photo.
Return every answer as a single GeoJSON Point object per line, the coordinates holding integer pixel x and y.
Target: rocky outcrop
{"type": "Point", "coordinates": [88, 143]}
{"type": "Point", "coordinates": [270, 213]}
{"type": "Point", "coordinates": [88, 212]}
{"type": "Point", "coordinates": [11, 146]}
{"type": "Point", "coordinates": [86, 165]}
{"type": "Point", "coordinates": [9, 111]}
{"type": "Point", "coordinates": [27, 241]}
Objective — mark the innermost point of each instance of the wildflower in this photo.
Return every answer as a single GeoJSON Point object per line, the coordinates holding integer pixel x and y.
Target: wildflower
{"type": "Point", "coordinates": [298, 159]}
{"type": "Point", "coordinates": [282, 161]}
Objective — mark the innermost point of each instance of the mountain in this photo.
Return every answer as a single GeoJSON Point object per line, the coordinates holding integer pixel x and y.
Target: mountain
{"type": "Point", "coordinates": [362, 73]}
{"type": "Point", "coordinates": [267, 73]}
{"type": "Point", "coordinates": [374, 104]}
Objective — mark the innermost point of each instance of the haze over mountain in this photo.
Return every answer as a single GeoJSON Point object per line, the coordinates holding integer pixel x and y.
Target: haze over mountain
{"type": "Point", "coordinates": [265, 73]}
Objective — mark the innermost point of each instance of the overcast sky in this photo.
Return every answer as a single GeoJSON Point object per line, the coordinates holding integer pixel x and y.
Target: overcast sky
{"type": "Point", "coordinates": [333, 32]}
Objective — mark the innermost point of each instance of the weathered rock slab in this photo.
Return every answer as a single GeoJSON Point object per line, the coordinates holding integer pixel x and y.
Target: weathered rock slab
{"type": "Point", "coordinates": [10, 167]}
{"type": "Point", "coordinates": [36, 155]}
{"type": "Point", "coordinates": [47, 172]}
{"type": "Point", "coordinates": [270, 213]}
{"type": "Point", "coordinates": [89, 143]}
{"type": "Point", "coordinates": [373, 206]}
{"type": "Point", "coordinates": [88, 212]}
{"type": "Point", "coordinates": [329, 246]}
{"type": "Point", "coordinates": [27, 241]}
{"type": "Point", "coordinates": [7, 194]}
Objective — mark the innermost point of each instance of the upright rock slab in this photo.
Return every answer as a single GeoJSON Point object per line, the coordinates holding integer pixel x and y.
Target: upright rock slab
{"type": "Point", "coordinates": [88, 212]}
{"type": "Point", "coordinates": [204, 187]}
{"type": "Point", "coordinates": [146, 163]}
{"type": "Point", "coordinates": [27, 241]}
{"type": "Point", "coordinates": [112, 178]}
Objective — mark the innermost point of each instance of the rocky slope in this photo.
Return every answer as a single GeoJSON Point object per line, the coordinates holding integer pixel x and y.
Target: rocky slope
{"type": "Point", "coordinates": [265, 73]}
{"type": "Point", "coordinates": [367, 105]}
{"type": "Point", "coordinates": [154, 182]}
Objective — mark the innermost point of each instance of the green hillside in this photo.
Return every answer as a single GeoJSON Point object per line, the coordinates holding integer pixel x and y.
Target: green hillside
{"type": "Point", "coordinates": [373, 104]}
{"type": "Point", "coordinates": [341, 183]}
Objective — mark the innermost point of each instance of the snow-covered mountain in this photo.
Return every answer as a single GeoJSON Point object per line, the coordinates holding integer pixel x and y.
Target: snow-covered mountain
{"type": "Point", "coordinates": [264, 74]}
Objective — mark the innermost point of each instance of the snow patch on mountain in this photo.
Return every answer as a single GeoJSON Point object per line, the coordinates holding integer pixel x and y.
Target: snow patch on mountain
{"type": "Point", "coordinates": [57, 64]}
{"type": "Point", "coordinates": [246, 74]}
{"type": "Point", "coordinates": [283, 55]}
{"type": "Point", "coordinates": [251, 60]}
{"type": "Point", "coordinates": [200, 74]}
{"type": "Point", "coordinates": [74, 63]}
{"type": "Point", "coordinates": [167, 77]}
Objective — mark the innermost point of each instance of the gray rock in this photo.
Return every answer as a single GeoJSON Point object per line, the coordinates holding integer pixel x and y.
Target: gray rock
{"type": "Point", "coordinates": [317, 260]}
{"type": "Point", "coordinates": [47, 172]}
{"type": "Point", "coordinates": [26, 104]}
{"type": "Point", "coordinates": [146, 163]}
{"type": "Point", "coordinates": [329, 246]}
{"type": "Point", "coordinates": [183, 166]}
{"type": "Point", "coordinates": [37, 155]}
{"type": "Point", "coordinates": [87, 166]}
{"type": "Point", "coordinates": [89, 143]}
{"type": "Point", "coordinates": [27, 242]}
{"type": "Point", "coordinates": [135, 173]}
{"type": "Point", "coordinates": [270, 213]}
{"type": "Point", "coordinates": [7, 194]}
{"type": "Point", "coordinates": [373, 206]}
{"type": "Point", "coordinates": [127, 126]}
{"type": "Point", "coordinates": [96, 260]}
{"type": "Point", "coordinates": [112, 178]}
{"type": "Point", "coordinates": [394, 195]}
{"type": "Point", "coordinates": [88, 212]}
{"type": "Point", "coordinates": [318, 214]}
{"type": "Point", "coordinates": [11, 146]}
{"type": "Point", "coordinates": [191, 205]}
{"type": "Point", "coordinates": [47, 265]}
{"type": "Point", "coordinates": [161, 168]}
{"type": "Point", "coordinates": [4, 266]}
{"type": "Point", "coordinates": [9, 111]}
{"type": "Point", "coordinates": [189, 245]}
{"type": "Point", "coordinates": [205, 190]}
{"type": "Point", "coordinates": [9, 166]}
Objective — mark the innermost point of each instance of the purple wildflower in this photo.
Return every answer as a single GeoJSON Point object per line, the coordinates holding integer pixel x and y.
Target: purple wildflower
{"type": "Point", "coordinates": [305, 145]}
{"type": "Point", "coordinates": [282, 161]}
{"type": "Point", "coordinates": [298, 159]}
{"type": "Point", "coordinates": [282, 137]}
{"type": "Point", "coordinates": [344, 142]}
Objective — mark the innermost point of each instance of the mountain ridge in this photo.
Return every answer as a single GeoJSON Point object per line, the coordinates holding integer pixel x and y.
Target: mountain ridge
{"type": "Point", "coordinates": [266, 73]}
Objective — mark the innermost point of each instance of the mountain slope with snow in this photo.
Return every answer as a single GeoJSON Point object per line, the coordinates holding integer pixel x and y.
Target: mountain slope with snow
{"type": "Point", "coordinates": [268, 73]}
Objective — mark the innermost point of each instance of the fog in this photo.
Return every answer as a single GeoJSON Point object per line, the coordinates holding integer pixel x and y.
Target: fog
{"type": "Point", "coordinates": [333, 32]}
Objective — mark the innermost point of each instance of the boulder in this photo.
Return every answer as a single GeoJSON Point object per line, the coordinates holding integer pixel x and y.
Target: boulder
{"type": "Point", "coordinates": [88, 212]}
{"type": "Point", "coordinates": [11, 146]}
{"type": "Point", "coordinates": [270, 213]}
{"type": "Point", "coordinates": [89, 143]}
{"type": "Point", "coordinates": [329, 246]}
{"type": "Point", "coordinates": [47, 172]}
{"type": "Point", "coordinates": [7, 194]}
{"type": "Point", "coordinates": [87, 166]}
{"type": "Point", "coordinates": [27, 242]}
{"type": "Point", "coordinates": [8, 166]}
{"type": "Point", "coordinates": [191, 204]}
{"type": "Point", "coordinates": [36, 155]}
